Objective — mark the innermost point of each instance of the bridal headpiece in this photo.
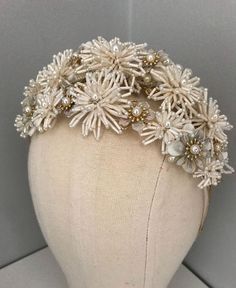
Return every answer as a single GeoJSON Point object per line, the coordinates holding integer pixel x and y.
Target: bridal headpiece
{"type": "Point", "coordinates": [115, 85]}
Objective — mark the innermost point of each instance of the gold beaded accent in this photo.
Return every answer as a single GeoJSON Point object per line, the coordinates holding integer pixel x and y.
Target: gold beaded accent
{"type": "Point", "coordinates": [190, 153]}
{"type": "Point", "coordinates": [219, 147]}
{"type": "Point", "coordinates": [137, 112]}
{"type": "Point", "coordinates": [151, 59]}
{"type": "Point", "coordinates": [74, 61]}
{"type": "Point", "coordinates": [148, 90]}
{"type": "Point", "coordinates": [29, 113]}
{"type": "Point", "coordinates": [65, 106]}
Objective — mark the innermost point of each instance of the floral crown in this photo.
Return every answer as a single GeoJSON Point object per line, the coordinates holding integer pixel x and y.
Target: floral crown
{"type": "Point", "coordinates": [116, 85]}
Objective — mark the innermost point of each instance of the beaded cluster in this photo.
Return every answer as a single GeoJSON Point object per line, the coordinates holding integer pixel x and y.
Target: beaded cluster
{"type": "Point", "coordinates": [116, 85]}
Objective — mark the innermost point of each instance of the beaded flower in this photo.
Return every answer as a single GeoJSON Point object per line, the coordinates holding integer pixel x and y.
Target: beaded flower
{"type": "Point", "coordinates": [167, 128]}
{"type": "Point", "coordinates": [61, 72]}
{"type": "Point", "coordinates": [99, 101]}
{"type": "Point", "coordinates": [176, 87]}
{"type": "Point", "coordinates": [138, 115]}
{"type": "Point", "coordinates": [210, 120]}
{"type": "Point", "coordinates": [114, 55]}
{"type": "Point", "coordinates": [45, 113]}
{"type": "Point", "coordinates": [190, 151]}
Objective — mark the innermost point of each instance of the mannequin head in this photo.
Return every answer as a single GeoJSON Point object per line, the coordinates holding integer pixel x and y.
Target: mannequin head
{"type": "Point", "coordinates": [115, 213]}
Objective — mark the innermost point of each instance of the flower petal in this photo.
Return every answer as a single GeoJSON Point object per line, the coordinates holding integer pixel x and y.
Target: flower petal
{"type": "Point", "coordinates": [138, 126]}
{"type": "Point", "coordinates": [189, 166]}
{"type": "Point", "coordinates": [175, 148]}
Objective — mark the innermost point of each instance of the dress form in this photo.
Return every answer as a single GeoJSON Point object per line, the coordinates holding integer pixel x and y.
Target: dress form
{"type": "Point", "coordinates": [115, 213]}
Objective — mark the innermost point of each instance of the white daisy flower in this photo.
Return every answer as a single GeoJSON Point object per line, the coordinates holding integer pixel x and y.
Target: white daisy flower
{"type": "Point", "coordinates": [61, 72]}
{"type": "Point", "coordinates": [211, 174]}
{"type": "Point", "coordinates": [113, 55]}
{"type": "Point", "coordinates": [210, 120]}
{"type": "Point", "coordinates": [176, 87]}
{"type": "Point", "coordinates": [46, 111]}
{"type": "Point", "coordinates": [100, 101]}
{"type": "Point", "coordinates": [23, 122]}
{"type": "Point", "coordinates": [33, 89]}
{"type": "Point", "coordinates": [24, 125]}
{"type": "Point", "coordinates": [168, 127]}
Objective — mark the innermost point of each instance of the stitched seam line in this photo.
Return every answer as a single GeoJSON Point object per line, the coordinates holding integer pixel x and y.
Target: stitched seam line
{"type": "Point", "coordinates": [148, 221]}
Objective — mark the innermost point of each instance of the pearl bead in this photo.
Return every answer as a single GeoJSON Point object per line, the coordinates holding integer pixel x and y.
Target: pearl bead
{"type": "Point", "coordinates": [95, 97]}
{"type": "Point", "coordinates": [195, 149]}
{"type": "Point", "coordinates": [147, 78]}
{"type": "Point", "coordinates": [115, 48]}
{"type": "Point", "coordinates": [150, 57]}
{"type": "Point", "coordinates": [214, 118]}
{"type": "Point", "coordinates": [217, 147]}
{"type": "Point", "coordinates": [167, 125]}
{"type": "Point", "coordinates": [65, 101]}
{"type": "Point", "coordinates": [27, 110]}
{"type": "Point", "coordinates": [136, 111]}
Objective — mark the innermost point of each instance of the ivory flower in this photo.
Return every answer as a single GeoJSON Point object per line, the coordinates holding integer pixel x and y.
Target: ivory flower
{"type": "Point", "coordinates": [46, 111]}
{"type": "Point", "coordinates": [190, 151]}
{"type": "Point", "coordinates": [168, 127]}
{"type": "Point", "coordinates": [113, 55]}
{"type": "Point", "coordinates": [176, 87]}
{"type": "Point", "coordinates": [210, 120]}
{"type": "Point", "coordinates": [99, 102]}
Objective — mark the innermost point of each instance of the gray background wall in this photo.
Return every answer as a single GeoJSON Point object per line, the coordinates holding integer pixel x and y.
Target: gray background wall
{"type": "Point", "coordinates": [198, 34]}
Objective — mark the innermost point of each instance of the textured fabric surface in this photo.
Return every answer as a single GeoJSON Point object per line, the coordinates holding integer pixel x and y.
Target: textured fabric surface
{"type": "Point", "coordinates": [40, 270]}
{"type": "Point", "coordinates": [114, 212]}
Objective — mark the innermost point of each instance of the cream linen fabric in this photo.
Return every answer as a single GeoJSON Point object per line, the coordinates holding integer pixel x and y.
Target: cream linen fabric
{"type": "Point", "coordinates": [115, 213]}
